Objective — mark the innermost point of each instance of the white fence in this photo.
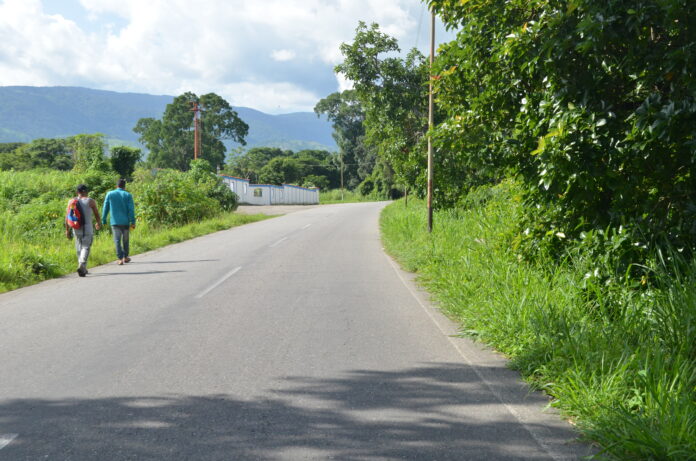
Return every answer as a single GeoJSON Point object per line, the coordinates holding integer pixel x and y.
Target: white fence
{"type": "Point", "coordinates": [266, 194]}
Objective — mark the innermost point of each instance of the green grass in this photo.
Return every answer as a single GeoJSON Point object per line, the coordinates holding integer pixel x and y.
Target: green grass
{"type": "Point", "coordinates": [334, 196]}
{"type": "Point", "coordinates": [27, 261]}
{"type": "Point", "coordinates": [619, 363]}
{"type": "Point", "coordinates": [33, 246]}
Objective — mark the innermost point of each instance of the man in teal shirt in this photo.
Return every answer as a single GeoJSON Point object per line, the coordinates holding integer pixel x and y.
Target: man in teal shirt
{"type": "Point", "coordinates": [119, 204]}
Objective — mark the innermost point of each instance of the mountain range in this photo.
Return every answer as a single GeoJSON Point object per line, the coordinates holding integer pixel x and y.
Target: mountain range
{"type": "Point", "coordinates": [27, 113]}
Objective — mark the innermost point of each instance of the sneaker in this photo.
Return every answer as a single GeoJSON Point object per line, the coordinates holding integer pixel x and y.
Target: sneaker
{"type": "Point", "coordinates": [82, 270]}
{"type": "Point", "coordinates": [120, 262]}
{"type": "Point", "coordinates": [126, 259]}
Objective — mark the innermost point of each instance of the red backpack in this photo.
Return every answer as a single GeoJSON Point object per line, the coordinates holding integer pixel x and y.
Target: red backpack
{"type": "Point", "coordinates": [75, 217]}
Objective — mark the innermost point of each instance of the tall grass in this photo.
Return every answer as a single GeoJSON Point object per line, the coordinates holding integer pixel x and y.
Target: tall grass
{"type": "Point", "coordinates": [25, 262]}
{"type": "Point", "coordinates": [33, 246]}
{"type": "Point", "coordinates": [347, 196]}
{"type": "Point", "coordinates": [622, 366]}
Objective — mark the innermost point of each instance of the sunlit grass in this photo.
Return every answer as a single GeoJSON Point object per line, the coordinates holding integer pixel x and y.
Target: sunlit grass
{"type": "Point", "coordinates": [27, 261]}
{"type": "Point", "coordinates": [347, 196]}
{"type": "Point", "coordinates": [33, 246]}
{"type": "Point", "coordinates": [623, 369]}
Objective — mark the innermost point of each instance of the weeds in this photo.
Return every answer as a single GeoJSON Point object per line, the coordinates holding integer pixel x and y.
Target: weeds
{"type": "Point", "coordinates": [33, 246]}
{"type": "Point", "coordinates": [618, 358]}
{"type": "Point", "coordinates": [347, 196]}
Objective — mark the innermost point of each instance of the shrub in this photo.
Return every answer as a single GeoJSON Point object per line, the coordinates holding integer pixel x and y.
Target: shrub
{"type": "Point", "coordinates": [173, 198]}
{"type": "Point", "coordinates": [592, 103]}
{"type": "Point", "coordinates": [211, 184]}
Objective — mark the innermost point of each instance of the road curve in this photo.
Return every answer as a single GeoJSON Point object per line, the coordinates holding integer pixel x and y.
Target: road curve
{"type": "Point", "coordinates": [286, 339]}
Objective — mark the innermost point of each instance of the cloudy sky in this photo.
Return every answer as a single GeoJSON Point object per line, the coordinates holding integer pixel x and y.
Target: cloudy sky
{"type": "Point", "coordinates": [273, 55]}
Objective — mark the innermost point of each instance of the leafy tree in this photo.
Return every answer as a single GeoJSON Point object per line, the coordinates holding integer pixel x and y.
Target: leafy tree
{"type": "Point", "coordinates": [7, 155]}
{"type": "Point", "coordinates": [318, 163]}
{"type": "Point", "coordinates": [272, 165]}
{"type": "Point", "coordinates": [322, 182]}
{"type": "Point", "coordinates": [592, 102]}
{"type": "Point", "coordinates": [123, 160]}
{"type": "Point", "coordinates": [348, 116]}
{"type": "Point", "coordinates": [88, 151]}
{"type": "Point", "coordinates": [249, 164]}
{"type": "Point", "coordinates": [393, 95]}
{"type": "Point", "coordinates": [280, 170]}
{"type": "Point", "coordinates": [40, 153]}
{"type": "Point", "coordinates": [171, 139]}
{"type": "Point", "coordinates": [211, 184]}
{"type": "Point", "coordinates": [9, 147]}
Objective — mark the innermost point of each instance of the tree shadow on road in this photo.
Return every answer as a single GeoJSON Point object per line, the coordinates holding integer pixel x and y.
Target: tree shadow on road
{"type": "Point", "coordinates": [362, 415]}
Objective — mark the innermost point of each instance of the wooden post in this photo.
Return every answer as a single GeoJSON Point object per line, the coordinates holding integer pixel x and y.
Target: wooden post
{"type": "Point", "coordinates": [430, 124]}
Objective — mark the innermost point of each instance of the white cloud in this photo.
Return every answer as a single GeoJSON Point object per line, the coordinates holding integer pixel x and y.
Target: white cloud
{"type": "Point", "coordinates": [283, 55]}
{"type": "Point", "coordinates": [274, 55]}
{"type": "Point", "coordinates": [343, 83]}
{"type": "Point", "coordinates": [271, 97]}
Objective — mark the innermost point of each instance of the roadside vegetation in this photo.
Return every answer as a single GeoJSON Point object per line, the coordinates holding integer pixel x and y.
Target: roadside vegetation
{"type": "Point", "coordinates": [272, 165]}
{"type": "Point", "coordinates": [346, 196]}
{"type": "Point", "coordinates": [617, 357]}
{"type": "Point", "coordinates": [171, 206]}
{"type": "Point", "coordinates": [565, 196]}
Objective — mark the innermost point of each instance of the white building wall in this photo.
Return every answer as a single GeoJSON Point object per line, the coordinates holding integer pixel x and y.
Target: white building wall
{"type": "Point", "coordinates": [265, 194]}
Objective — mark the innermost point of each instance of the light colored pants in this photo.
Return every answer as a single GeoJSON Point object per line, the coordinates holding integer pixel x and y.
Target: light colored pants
{"type": "Point", "coordinates": [121, 234]}
{"type": "Point", "coordinates": [83, 243]}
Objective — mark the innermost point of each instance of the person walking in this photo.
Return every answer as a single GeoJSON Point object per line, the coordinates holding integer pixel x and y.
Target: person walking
{"type": "Point", "coordinates": [119, 204]}
{"type": "Point", "coordinates": [84, 236]}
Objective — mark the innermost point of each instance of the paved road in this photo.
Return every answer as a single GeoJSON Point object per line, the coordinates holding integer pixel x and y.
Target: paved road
{"type": "Point", "coordinates": [292, 338]}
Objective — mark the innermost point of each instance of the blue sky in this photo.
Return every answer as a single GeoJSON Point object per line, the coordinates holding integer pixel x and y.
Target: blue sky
{"type": "Point", "coordinates": [273, 55]}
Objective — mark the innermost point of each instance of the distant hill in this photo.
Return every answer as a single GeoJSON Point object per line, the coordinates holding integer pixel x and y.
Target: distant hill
{"type": "Point", "coordinates": [27, 113]}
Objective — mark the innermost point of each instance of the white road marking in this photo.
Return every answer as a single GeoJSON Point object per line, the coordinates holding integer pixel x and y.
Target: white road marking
{"type": "Point", "coordinates": [6, 439]}
{"type": "Point", "coordinates": [305, 227]}
{"type": "Point", "coordinates": [278, 242]}
{"type": "Point", "coordinates": [216, 284]}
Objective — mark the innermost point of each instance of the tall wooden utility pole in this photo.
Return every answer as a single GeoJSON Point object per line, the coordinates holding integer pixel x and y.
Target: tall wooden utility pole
{"type": "Point", "coordinates": [196, 131]}
{"type": "Point", "coordinates": [430, 123]}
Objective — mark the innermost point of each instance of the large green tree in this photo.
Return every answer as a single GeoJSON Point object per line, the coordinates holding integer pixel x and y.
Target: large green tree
{"type": "Point", "coordinates": [393, 95]}
{"type": "Point", "coordinates": [123, 160]}
{"type": "Point", "coordinates": [249, 164]}
{"type": "Point", "coordinates": [272, 165]}
{"type": "Point", "coordinates": [171, 139]}
{"type": "Point", "coordinates": [88, 151]}
{"type": "Point", "coordinates": [592, 103]}
{"type": "Point", "coordinates": [347, 115]}
{"type": "Point", "coordinates": [40, 153]}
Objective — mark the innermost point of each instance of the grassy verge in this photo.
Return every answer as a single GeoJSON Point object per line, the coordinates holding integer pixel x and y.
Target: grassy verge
{"type": "Point", "coordinates": [622, 367]}
{"type": "Point", "coordinates": [27, 261]}
{"type": "Point", "coordinates": [334, 196]}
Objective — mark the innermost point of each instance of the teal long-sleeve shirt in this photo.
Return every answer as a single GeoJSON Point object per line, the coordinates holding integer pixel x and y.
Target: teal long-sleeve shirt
{"type": "Point", "coordinates": [119, 204]}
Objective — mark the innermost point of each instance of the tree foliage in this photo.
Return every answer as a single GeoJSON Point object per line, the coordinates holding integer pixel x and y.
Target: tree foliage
{"type": "Point", "coordinates": [271, 165]}
{"type": "Point", "coordinates": [88, 152]}
{"type": "Point", "coordinates": [123, 160]}
{"type": "Point", "coordinates": [40, 153]}
{"type": "Point", "coordinates": [169, 197]}
{"type": "Point", "coordinates": [348, 116]}
{"type": "Point", "coordinates": [592, 103]}
{"type": "Point", "coordinates": [392, 93]}
{"type": "Point", "coordinates": [81, 152]}
{"type": "Point", "coordinates": [171, 139]}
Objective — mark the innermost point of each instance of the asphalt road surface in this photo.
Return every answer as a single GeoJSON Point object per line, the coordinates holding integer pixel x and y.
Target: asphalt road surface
{"type": "Point", "coordinates": [288, 339]}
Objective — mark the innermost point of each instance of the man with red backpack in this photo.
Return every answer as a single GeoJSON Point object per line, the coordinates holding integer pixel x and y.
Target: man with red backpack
{"type": "Point", "coordinates": [80, 215]}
